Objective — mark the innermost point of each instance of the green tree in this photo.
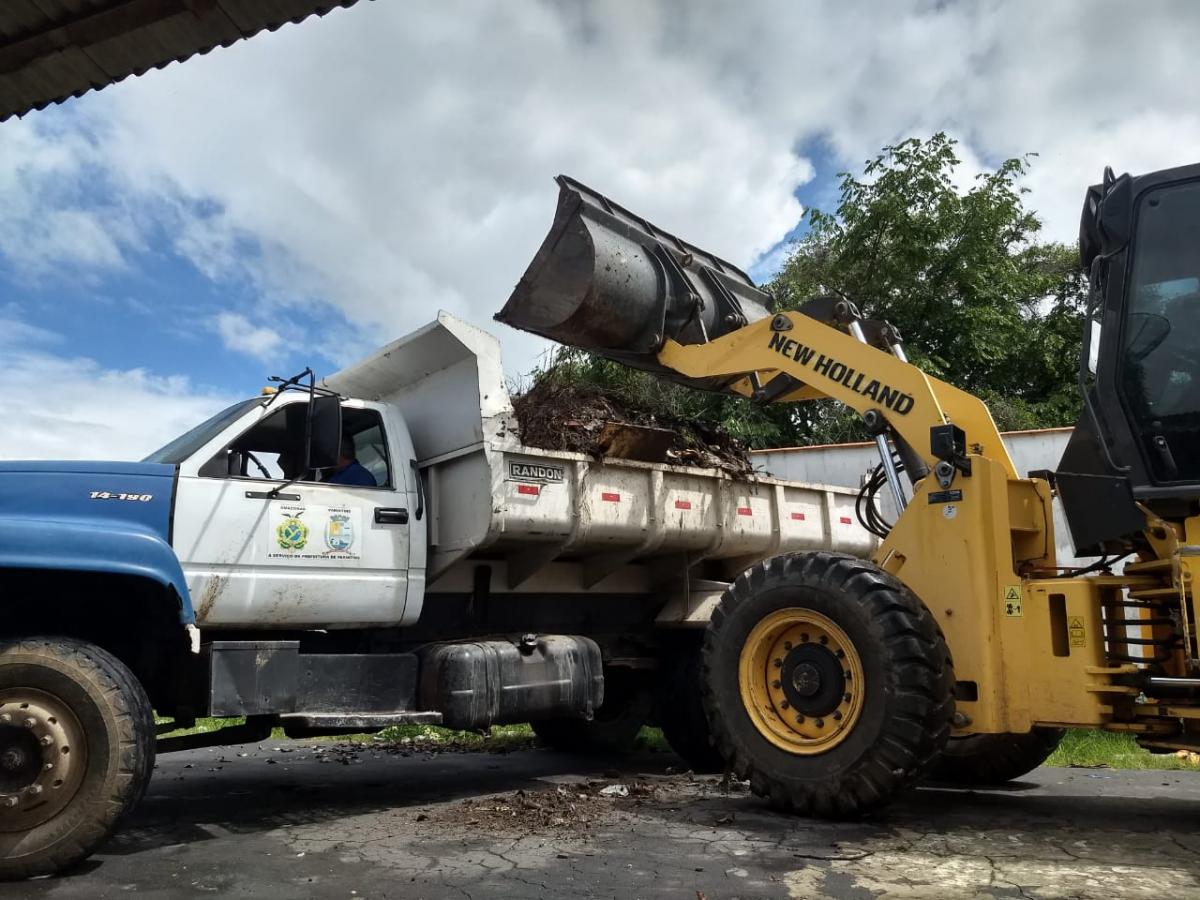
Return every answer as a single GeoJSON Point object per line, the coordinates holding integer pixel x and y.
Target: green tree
{"type": "Point", "coordinates": [980, 301]}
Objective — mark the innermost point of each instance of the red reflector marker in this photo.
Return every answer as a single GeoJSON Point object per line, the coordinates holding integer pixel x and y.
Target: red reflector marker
{"type": "Point", "coordinates": [683, 504]}
{"type": "Point", "coordinates": [799, 517]}
{"type": "Point", "coordinates": [610, 497]}
{"type": "Point", "coordinates": [745, 511]}
{"type": "Point", "coordinates": [531, 489]}
{"type": "Point", "coordinates": [846, 520]}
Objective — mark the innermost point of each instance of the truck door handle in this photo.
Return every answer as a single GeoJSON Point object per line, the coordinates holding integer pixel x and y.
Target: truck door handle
{"type": "Point", "coordinates": [391, 515]}
{"type": "Point", "coordinates": [416, 469]}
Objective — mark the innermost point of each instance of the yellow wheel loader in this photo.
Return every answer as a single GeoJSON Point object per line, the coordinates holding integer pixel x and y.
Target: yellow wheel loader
{"type": "Point", "coordinates": [962, 648]}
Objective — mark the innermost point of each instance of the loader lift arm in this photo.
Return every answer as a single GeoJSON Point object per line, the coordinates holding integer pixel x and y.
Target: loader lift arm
{"type": "Point", "coordinates": [821, 361]}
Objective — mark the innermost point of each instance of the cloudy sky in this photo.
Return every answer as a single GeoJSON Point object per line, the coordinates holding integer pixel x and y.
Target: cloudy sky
{"type": "Point", "coordinates": [307, 195]}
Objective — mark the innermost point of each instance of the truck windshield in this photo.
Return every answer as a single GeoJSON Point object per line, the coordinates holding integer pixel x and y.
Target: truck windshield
{"type": "Point", "coordinates": [1161, 354]}
{"type": "Point", "coordinates": [190, 441]}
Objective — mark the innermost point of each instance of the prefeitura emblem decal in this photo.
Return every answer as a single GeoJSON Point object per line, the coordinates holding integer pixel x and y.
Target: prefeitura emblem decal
{"type": "Point", "coordinates": [339, 533]}
{"type": "Point", "coordinates": [291, 533]}
{"type": "Point", "coordinates": [319, 535]}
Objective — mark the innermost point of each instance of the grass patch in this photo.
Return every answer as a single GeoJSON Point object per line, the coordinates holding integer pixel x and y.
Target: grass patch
{"type": "Point", "coordinates": [1084, 747]}
{"type": "Point", "coordinates": [497, 739]}
{"type": "Point", "coordinates": [500, 738]}
{"type": "Point", "coordinates": [1080, 747]}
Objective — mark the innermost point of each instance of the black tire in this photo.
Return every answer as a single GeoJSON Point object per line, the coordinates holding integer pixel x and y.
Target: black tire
{"type": "Point", "coordinates": [681, 709]}
{"type": "Point", "coordinates": [614, 728]}
{"type": "Point", "coordinates": [995, 758]}
{"type": "Point", "coordinates": [904, 710]}
{"type": "Point", "coordinates": [71, 689]}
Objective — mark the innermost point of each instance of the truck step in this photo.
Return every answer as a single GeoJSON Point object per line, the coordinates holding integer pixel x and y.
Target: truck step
{"type": "Point", "coordinates": [360, 720]}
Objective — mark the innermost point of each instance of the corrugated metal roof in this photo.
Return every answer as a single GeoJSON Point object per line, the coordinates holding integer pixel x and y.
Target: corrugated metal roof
{"type": "Point", "coordinates": [54, 49]}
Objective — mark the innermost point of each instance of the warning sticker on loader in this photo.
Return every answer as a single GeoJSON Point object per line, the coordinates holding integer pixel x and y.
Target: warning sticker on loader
{"type": "Point", "coordinates": [1010, 599]}
{"type": "Point", "coordinates": [1076, 631]}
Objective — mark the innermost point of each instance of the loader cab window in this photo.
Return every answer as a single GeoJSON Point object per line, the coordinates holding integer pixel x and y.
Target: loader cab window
{"type": "Point", "coordinates": [1160, 366]}
{"type": "Point", "coordinates": [272, 449]}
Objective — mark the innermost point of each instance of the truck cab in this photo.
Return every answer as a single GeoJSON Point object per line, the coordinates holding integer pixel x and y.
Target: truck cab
{"type": "Point", "coordinates": [264, 541]}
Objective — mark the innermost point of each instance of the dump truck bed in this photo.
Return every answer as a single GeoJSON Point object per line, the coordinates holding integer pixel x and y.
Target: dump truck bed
{"type": "Point", "coordinates": [489, 496]}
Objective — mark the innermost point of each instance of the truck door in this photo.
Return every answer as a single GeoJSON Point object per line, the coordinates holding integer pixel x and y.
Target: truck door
{"type": "Point", "coordinates": [316, 552]}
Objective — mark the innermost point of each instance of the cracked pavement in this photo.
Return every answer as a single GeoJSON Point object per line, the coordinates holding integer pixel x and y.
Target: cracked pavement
{"type": "Point", "coordinates": [281, 820]}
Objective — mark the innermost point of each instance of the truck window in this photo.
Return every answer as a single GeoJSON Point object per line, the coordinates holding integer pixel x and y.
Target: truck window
{"type": "Point", "coordinates": [273, 448]}
{"type": "Point", "coordinates": [370, 445]}
{"type": "Point", "coordinates": [191, 441]}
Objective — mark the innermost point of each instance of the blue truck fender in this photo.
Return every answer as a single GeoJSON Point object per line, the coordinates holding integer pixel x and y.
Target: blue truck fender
{"type": "Point", "coordinates": [107, 547]}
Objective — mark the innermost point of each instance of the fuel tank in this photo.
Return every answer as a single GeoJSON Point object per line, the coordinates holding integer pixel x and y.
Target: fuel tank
{"type": "Point", "coordinates": [608, 281]}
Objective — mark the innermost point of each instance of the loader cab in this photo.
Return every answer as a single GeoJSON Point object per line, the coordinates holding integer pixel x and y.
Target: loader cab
{"type": "Point", "coordinates": [1138, 438]}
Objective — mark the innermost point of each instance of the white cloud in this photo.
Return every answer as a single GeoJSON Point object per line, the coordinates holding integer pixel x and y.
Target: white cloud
{"type": "Point", "coordinates": [396, 158]}
{"type": "Point", "coordinates": [50, 220]}
{"type": "Point", "coordinates": [240, 334]}
{"type": "Point", "coordinates": [15, 332]}
{"type": "Point", "coordinates": [60, 407]}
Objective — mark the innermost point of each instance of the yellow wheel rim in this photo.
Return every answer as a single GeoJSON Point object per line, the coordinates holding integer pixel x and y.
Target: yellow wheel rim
{"type": "Point", "coordinates": [801, 681]}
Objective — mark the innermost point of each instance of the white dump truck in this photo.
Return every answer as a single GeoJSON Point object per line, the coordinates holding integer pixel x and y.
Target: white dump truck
{"type": "Point", "coordinates": [449, 574]}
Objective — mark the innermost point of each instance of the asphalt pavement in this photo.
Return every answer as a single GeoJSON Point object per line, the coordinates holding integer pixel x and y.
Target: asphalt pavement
{"type": "Point", "coordinates": [287, 820]}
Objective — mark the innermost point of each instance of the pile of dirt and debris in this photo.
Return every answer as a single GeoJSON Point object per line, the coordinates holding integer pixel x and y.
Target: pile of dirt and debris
{"type": "Point", "coordinates": [557, 414]}
{"type": "Point", "coordinates": [573, 808]}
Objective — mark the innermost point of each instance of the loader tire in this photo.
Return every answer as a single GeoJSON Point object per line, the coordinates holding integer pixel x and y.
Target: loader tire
{"type": "Point", "coordinates": [827, 683]}
{"type": "Point", "coordinates": [614, 728]}
{"type": "Point", "coordinates": [994, 758]}
{"type": "Point", "coordinates": [681, 713]}
{"type": "Point", "coordinates": [76, 751]}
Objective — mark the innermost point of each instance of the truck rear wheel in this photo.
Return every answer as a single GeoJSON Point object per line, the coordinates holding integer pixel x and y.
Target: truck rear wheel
{"type": "Point", "coordinates": [995, 758]}
{"type": "Point", "coordinates": [76, 751]}
{"type": "Point", "coordinates": [614, 727]}
{"type": "Point", "coordinates": [681, 710]}
{"type": "Point", "coordinates": [827, 683]}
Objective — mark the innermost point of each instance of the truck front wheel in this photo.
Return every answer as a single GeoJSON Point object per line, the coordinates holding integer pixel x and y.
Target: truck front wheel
{"type": "Point", "coordinates": [76, 751]}
{"type": "Point", "coordinates": [827, 683]}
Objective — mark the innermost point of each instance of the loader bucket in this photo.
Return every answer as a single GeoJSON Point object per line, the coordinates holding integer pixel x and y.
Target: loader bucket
{"type": "Point", "coordinates": [608, 281]}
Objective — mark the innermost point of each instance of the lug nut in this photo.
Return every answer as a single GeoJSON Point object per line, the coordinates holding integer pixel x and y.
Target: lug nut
{"type": "Point", "coordinates": [820, 723]}
{"type": "Point", "coordinates": [30, 723]}
{"type": "Point", "coordinates": [845, 698]}
{"type": "Point", "coordinates": [11, 801]}
{"type": "Point", "coordinates": [847, 674]}
{"type": "Point", "coordinates": [778, 663]}
{"type": "Point", "coordinates": [34, 789]}
{"type": "Point", "coordinates": [776, 683]}
{"type": "Point", "coordinates": [49, 767]}
{"type": "Point", "coordinates": [837, 717]}
{"type": "Point", "coordinates": [47, 740]}
{"type": "Point", "coordinates": [824, 639]}
{"type": "Point", "coordinates": [804, 637]}
{"type": "Point", "coordinates": [799, 720]}
{"type": "Point", "coordinates": [5, 719]}
{"type": "Point", "coordinates": [841, 654]}
{"type": "Point", "coordinates": [787, 645]}
{"type": "Point", "coordinates": [784, 704]}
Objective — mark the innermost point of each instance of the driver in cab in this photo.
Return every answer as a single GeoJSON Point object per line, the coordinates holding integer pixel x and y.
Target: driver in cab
{"type": "Point", "coordinates": [349, 470]}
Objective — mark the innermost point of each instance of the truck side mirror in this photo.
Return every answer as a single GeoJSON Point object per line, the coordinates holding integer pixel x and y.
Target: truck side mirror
{"type": "Point", "coordinates": [323, 432]}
